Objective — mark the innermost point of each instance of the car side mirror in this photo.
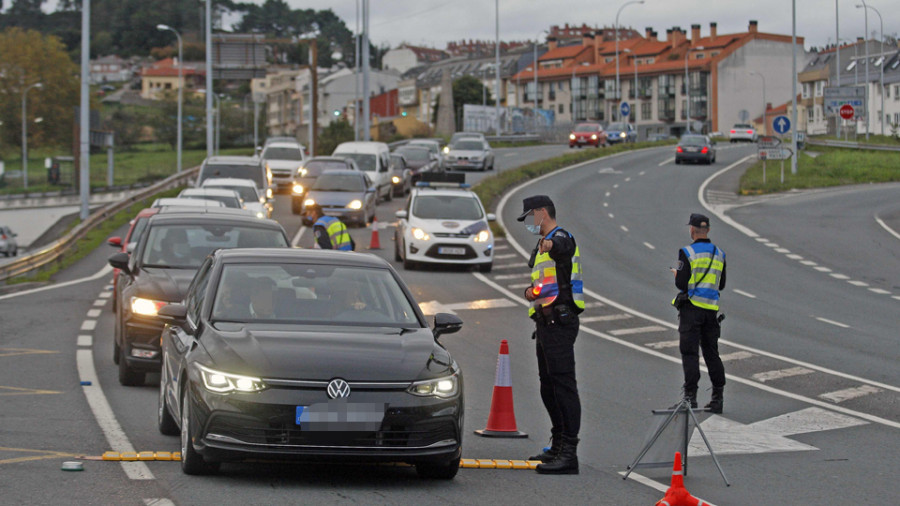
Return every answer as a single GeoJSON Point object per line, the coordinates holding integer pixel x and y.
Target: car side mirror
{"type": "Point", "coordinates": [402, 214]}
{"type": "Point", "coordinates": [119, 261]}
{"type": "Point", "coordinates": [115, 242]}
{"type": "Point", "coordinates": [491, 217]}
{"type": "Point", "coordinates": [370, 189]}
{"type": "Point", "coordinates": [446, 323]}
{"type": "Point", "coordinates": [173, 314]}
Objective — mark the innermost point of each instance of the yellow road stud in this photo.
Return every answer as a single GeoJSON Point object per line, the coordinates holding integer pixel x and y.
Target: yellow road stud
{"type": "Point", "coordinates": [519, 464]}
{"type": "Point", "coordinates": [532, 464]}
{"type": "Point", "coordinates": [502, 464]}
{"type": "Point", "coordinates": [129, 456]}
{"type": "Point", "coordinates": [146, 456]}
{"type": "Point", "coordinates": [163, 455]}
{"type": "Point", "coordinates": [486, 464]}
{"type": "Point", "coordinates": [111, 456]}
{"type": "Point", "coordinates": [468, 463]}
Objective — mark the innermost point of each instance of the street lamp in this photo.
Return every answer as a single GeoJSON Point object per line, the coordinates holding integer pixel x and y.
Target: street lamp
{"type": "Point", "coordinates": [162, 27]}
{"type": "Point", "coordinates": [866, 38]}
{"type": "Point", "coordinates": [881, 65]}
{"type": "Point", "coordinates": [209, 78]}
{"type": "Point", "coordinates": [25, 134]}
{"type": "Point", "coordinates": [765, 104]}
{"type": "Point", "coordinates": [618, 96]}
{"type": "Point", "coordinates": [687, 85]}
{"type": "Point", "coordinates": [484, 84]}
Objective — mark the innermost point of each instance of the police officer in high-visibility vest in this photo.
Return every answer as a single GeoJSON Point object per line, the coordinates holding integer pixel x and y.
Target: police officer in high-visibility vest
{"type": "Point", "coordinates": [700, 277]}
{"type": "Point", "coordinates": [330, 232]}
{"type": "Point", "coordinates": [556, 297]}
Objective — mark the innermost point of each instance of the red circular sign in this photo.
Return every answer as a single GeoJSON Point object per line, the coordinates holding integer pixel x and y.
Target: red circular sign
{"type": "Point", "coordinates": [846, 111]}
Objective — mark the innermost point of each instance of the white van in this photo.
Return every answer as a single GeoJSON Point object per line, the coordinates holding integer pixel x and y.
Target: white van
{"type": "Point", "coordinates": [375, 159]}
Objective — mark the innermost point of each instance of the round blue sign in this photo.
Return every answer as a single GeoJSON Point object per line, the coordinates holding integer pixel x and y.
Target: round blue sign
{"type": "Point", "coordinates": [625, 108]}
{"type": "Point", "coordinates": [781, 124]}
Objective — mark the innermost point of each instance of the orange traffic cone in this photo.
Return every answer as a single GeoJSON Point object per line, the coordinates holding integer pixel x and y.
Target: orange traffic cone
{"type": "Point", "coordinates": [677, 495]}
{"type": "Point", "coordinates": [374, 243]}
{"type": "Point", "coordinates": [502, 418]}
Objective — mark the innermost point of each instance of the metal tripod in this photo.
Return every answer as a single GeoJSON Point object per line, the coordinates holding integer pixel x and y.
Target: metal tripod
{"type": "Point", "coordinates": [683, 407]}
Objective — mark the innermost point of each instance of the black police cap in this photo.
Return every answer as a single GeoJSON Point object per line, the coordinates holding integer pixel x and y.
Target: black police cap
{"type": "Point", "coordinates": [698, 220]}
{"type": "Point", "coordinates": [535, 202]}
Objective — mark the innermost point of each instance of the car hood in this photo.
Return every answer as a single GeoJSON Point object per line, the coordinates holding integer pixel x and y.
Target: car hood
{"type": "Point", "coordinates": [334, 198]}
{"type": "Point", "coordinates": [458, 153]}
{"type": "Point", "coordinates": [449, 226]}
{"type": "Point", "coordinates": [168, 285]}
{"type": "Point", "coordinates": [417, 164]}
{"type": "Point", "coordinates": [322, 353]}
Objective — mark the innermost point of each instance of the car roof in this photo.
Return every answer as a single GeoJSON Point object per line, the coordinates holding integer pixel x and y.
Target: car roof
{"type": "Point", "coordinates": [297, 255]}
{"type": "Point", "coordinates": [326, 159]}
{"type": "Point", "coordinates": [285, 138]}
{"type": "Point", "coordinates": [175, 201]}
{"type": "Point", "coordinates": [285, 144]}
{"type": "Point", "coordinates": [231, 160]}
{"type": "Point", "coordinates": [233, 216]}
{"type": "Point", "coordinates": [445, 191]}
{"type": "Point", "coordinates": [345, 172]}
{"type": "Point", "coordinates": [217, 192]}
{"type": "Point", "coordinates": [364, 147]}
{"type": "Point", "coordinates": [227, 181]}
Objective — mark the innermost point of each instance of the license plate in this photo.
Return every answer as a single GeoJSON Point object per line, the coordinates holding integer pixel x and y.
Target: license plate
{"type": "Point", "coordinates": [582, 141]}
{"type": "Point", "coordinates": [452, 251]}
{"type": "Point", "coordinates": [691, 150]}
{"type": "Point", "coordinates": [339, 415]}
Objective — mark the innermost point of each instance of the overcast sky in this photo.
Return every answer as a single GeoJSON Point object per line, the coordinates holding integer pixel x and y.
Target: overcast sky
{"type": "Point", "coordinates": [435, 22]}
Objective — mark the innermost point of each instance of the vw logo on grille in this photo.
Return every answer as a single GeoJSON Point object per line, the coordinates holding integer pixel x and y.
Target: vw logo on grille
{"type": "Point", "coordinates": [338, 389]}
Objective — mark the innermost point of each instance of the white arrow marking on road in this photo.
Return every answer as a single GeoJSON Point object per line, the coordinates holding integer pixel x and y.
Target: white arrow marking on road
{"type": "Point", "coordinates": [849, 393]}
{"type": "Point", "coordinates": [728, 437]}
{"type": "Point", "coordinates": [435, 307]}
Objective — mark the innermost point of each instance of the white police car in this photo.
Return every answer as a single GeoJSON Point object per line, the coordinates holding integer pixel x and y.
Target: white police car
{"type": "Point", "coordinates": [444, 222]}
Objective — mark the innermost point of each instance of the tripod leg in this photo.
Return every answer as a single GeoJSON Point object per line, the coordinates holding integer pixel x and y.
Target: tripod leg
{"type": "Point", "coordinates": [709, 447]}
{"type": "Point", "coordinates": [647, 446]}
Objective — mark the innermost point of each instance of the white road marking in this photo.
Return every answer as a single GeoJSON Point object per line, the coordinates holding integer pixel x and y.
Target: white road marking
{"type": "Point", "coordinates": [509, 276]}
{"type": "Point", "coordinates": [505, 255]}
{"type": "Point", "coordinates": [611, 215]}
{"type": "Point", "coordinates": [509, 266]}
{"type": "Point", "coordinates": [434, 307]}
{"type": "Point", "coordinates": [516, 298]}
{"type": "Point", "coordinates": [296, 240]}
{"type": "Point", "coordinates": [615, 186]}
{"type": "Point", "coordinates": [772, 245]}
{"type": "Point", "coordinates": [89, 325]}
{"type": "Point", "coordinates": [896, 297]}
{"type": "Point", "coordinates": [879, 291]}
{"type": "Point", "coordinates": [627, 179]}
{"type": "Point", "coordinates": [794, 256]}
{"type": "Point", "coordinates": [607, 194]}
{"type": "Point", "coordinates": [102, 272]}
{"type": "Point", "coordinates": [605, 318]}
{"type": "Point", "coordinates": [889, 229]}
{"type": "Point", "coordinates": [637, 330]}
{"type": "Point", "coordinates": [106, 419]}
{"type": "Point", "coordinates": [850, 393]}
{"type": "Point", "coordinates": [93, 313]}
{"type": "Point", "coordinates": [782, 250]}
{"type": "Point", "coordinates": [745, 294]}
{"type": "Point", "coordinates": [719, 211]}
{"type": "Point", "coordinates": [762, 239]}
{"type": "Point", "coordinates": [105, 295]}
{"type": "Point", "coordinates": [738, 355]}
{"type": "Point", "coordinates": [858, 283]}
{"type": "Point", "coordinates": [667, 160]}
{"type": "Point", "coordinates": [781, 373]}
{"type": "Point", "coordinates": [158, 502]}
{"type": "Point", "coordinates": [822, 268]}
{"type": "Point", "coordinates": [500, 246]}
{"type": "Point", "coordinates": [624, 228]}
{"type": "Point", "coordinates": [606, 204]}
{"type": "Point", "coordinates": [663, 345]}
{"type": "Point", "coordinates": [100, 302]}
{"type": "Point", "coordinates": [518, 286]}
{"type": "Point", "coordinates": [641, 173]}
{"type": "Point", "coordinates": [588, 305]}
{"type": "Point", "coordinates": [839, 276]}
{"type": "Point", "coordinates": [647, 244]}
{"type": "Point", "coordinates": [85, 340]}
{"type": "Point", "coordinates": [809, 263]}
{"type": "Point", "coordinates": [832, 322]}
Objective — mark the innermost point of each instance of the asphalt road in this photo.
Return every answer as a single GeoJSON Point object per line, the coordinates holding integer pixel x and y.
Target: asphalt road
{"type": "Point", "coordinates": [779, 441]}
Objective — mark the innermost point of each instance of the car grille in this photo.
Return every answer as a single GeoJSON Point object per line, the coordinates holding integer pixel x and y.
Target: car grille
{"type": "Point", "coordinates": [455, 235]}
{"type": "Point", "coordinates": [433, 252]}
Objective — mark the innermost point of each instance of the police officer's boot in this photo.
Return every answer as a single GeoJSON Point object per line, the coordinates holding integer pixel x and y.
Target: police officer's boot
{"type": "Point", "coordinates": [691, 396]}
{"type": "Point", "coordinates": [552, 452]}
{"type": "Point", "coordinates": [566, 462]}
{"type": "Point", "coordinates": [717, 401]}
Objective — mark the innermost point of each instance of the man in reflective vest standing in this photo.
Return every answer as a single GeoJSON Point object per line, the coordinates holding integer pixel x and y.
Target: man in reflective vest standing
{"type": "Point", "coordinates": [556, 296]}
{"type": "Point", "coordinates": [330, 232]}
{"type": "Point", "coordinates": [701, 276]}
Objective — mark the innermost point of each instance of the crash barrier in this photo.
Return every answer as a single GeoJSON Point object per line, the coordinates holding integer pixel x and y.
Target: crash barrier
{"type": "Point", "coordinates": [57, 249]}
{"type": "Point", "coordinates": [502, 418]}
{"type": "Point", "coordinates": [851, 145]}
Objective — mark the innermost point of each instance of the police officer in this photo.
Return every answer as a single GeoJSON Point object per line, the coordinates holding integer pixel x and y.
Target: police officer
{"type": "Point", "coordinates": [330, 232]}
{"type": "Point", "coordinates": [556, 300]}
{"type": "Point", "coordinates": [700, 277]}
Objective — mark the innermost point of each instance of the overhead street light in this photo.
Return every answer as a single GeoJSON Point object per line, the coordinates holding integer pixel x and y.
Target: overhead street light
{"type": "Point", "coordinates": [25, 133]}
{"type": "Point", "coordinates": [162, 27]}
{"type": "Point", "coordinates": [626, 4]}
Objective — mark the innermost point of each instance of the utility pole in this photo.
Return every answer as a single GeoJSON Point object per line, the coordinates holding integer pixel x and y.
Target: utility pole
{"type": "Point", "coordinates": [794, 124]}
{"type": "Point", "coordinates": [367, 134]}
{"type": "Point", "coordinates": [84, 149]}
{"type": "Point", "coordinates": [209, 81]}
{"type": "Point", "coordinates": [497, 62]}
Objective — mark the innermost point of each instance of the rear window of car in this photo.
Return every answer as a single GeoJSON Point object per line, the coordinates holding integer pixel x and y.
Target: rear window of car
{"type": "Point", "coordinates": [468, 146]}
{"type": "Point", "coordinates": [693, 140]}
{"type": "Point", "coordinates": [363, 161]}
{"type": "Point", "coordinates": [185, 246]}
{"type": "Point", "coordinates": [231, 202]}
{"type": "Point", "coordinates": [414, 154]}
{"type": "Point", "coordinates": [251, 172]}
{"type": "Point", "coordinates": [317, 167]}
{"type": "Point", "coordinates": [283, 154]}
{"type": "Point", "coordinates": [446, 207]}
{"type": "Point", "coordinates": [742, 125]}
{"type": "Point", "coordinates": [246, 192]}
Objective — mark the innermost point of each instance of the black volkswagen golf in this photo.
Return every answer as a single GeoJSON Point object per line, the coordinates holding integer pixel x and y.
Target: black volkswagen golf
{"type": "Point", "coordinates": [308, 354]}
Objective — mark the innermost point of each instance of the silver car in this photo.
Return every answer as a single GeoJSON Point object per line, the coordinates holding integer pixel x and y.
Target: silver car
{"type": "Point", "coordinates": [742, 132]}
{"type": "Point", "coordinates": [8, 244]}
{"type": "Point", "coordinates": [470, 154]}
{"type": "Point", "coordinates": [283, 160]}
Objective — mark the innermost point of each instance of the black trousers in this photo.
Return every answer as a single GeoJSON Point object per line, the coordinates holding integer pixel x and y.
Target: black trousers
{"type": "Point", "coordinates": [698, 328]}
{"type": "Point", "coordinates": [556, 370]}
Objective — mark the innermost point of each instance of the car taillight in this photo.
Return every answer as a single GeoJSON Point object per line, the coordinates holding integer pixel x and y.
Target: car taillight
{"type": "Point", "coordinates": [749, 131]}
{"type": "Point", "coordinates": [704, 150]}
{"type": "Point", "coordinates": [734, 131]}
{"type": "Point", "coordinates": [679, 150]}
{"type": "Point", "coordinates": [3, 236]}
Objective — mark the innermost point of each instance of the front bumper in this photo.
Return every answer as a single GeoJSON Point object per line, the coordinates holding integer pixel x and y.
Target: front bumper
{"type": "Point", "coordinates": [142, 333]}
{"type": "Point", "coordinates": [439, 250]}
{"type": "Point", "coordinates": [282, 180]}
{"type": "Point", "coordinates": [464, 164]}
{"type": "Point", "coordinates": [583, 141]}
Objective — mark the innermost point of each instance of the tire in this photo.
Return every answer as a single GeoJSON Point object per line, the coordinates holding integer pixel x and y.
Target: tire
{"type": "Point", "coordinates": [191, 461]}
{"type": "Point", "coordinates": [164, 420]}
{"type": "Point", "coordinates": [408, 264]}
{"type": "Point", "coordinates": [677, 162]}
{"type": "Point", "coordinates": [438, 471]}
{"type": "Point", "coordinates": [127, 376]}
{"type": "Point", "coordinates": [296, 206]}
{"type": "Point", "coordinates": [15, 252]}
{"type": "Point", "coordinates": [397, 257]}
{"type": "Point", "coordinates": [486, 268]}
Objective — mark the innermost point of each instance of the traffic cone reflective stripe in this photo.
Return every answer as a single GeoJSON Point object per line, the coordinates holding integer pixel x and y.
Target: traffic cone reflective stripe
{"type": "Point", "coordinates": [677, 495]}
{"type": "Point", "coordinates": [502, 418]}
{"type": "Point", "coordinates": [374, 243]}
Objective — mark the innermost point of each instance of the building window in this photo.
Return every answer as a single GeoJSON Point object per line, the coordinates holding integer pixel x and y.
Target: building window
{"type": "Point", "coordinates": [810, 117]}
{"type": "Point", "coordinates": [805, 93]}
{"type": "Point", "coordinates": [562, 108]}
{"type": "Point", "coordinates": [820, 87]}
{"type": "Point", "coordinates": [699, 56]}
{"type": "Point", "coordinates": [646, 110]}
{"type": "Point", "coordinates": [714, 54]}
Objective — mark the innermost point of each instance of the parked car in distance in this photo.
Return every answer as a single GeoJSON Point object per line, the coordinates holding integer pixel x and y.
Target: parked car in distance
{"type": "Point", "coordinates": [228, 198]}
{"type": "Point", "coordinates": [621, 132]}
{"type": "Point", "coordinates": [419, 159]}
{"type": "Point", "coordinates": [8, 244]}
{"type": "Point", "coordinates": [283, 159]}
{"type": "Point", "coordinates": [588, 134]}
{"type": "Point", "coordinates": [695, 148]}
{"type": "Point", "coordinates": [401, 175]}
{"type": "Point", "coordinates": [253, 199]}
{"type": "Point", "coordinates": [654, 137]}
{"type": "Point", "coordinates": [302, 353]}
{"type": "Point", "coordinates": [345, 194]}
{"type": "Point", "coordinates": [313, 168]}
{"type": "Point", "coordinates": [742, 132]}
{"type": "Point", "coordinates": [241, 167]}
{"type": "Point", "coordinates": [373, 158]}
{"type": "Point", "coordinates": [470, 154]}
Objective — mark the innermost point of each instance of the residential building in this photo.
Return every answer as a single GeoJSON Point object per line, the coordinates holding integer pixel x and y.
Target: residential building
{"type": "Point", "coordinates": [162, 76]}
{"type": "Point", "coordinates": [476, 48]}
{"type": "Point", "coordinates": [110, 69]}
{"type": "Point", "coordinates": [283, 101]}
{"type": "Point", "coordinates": [407, 56]}
{"type": "Point", "coordinates": [338, 89]}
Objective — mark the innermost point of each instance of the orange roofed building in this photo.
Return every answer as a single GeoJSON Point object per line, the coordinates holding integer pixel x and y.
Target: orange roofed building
{"type": "Point", "coordinates": [578, 81]}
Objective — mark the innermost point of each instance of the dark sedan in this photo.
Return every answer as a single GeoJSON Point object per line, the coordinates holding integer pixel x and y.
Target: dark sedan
{"type": "Point", "coordinates": [695, 148]}
{"type": "Point", "coordinates": [160, 269]}
{"type": "Point", "coordinates": [291, 353]}
{"type": "Point", "coordinates": [312, 168]}
{"type": "Point", "coordinates": [419, 159]}
{"type": "Point", "coordinates": [346, 194]}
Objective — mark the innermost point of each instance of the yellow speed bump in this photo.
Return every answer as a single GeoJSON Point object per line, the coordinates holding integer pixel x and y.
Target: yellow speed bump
{"type": "Point", "coordinates": [143, 456]}
{"type": "Point", "coordinates": [498, 464]}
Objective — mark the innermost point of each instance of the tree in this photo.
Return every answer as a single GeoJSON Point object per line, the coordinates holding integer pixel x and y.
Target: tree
{"type": "Point", "coordinates": [28, 57]}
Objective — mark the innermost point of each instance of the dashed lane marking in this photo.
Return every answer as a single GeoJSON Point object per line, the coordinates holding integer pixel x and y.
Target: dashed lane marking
{"type": "Point", "coordinates": [100, 302]}
{"type": "Point", "coordinates": [10, 391]}
{"type": "Point", "coordinates": [500, 246]}
{"type": "Point", "coordinates": [647, 244]}
{"type": "Point", "coordinates": [832, 322]}
{"type": "Point", "coordinates": [839, 276]}
{"type": "Point", "coordinates": [879, 291]}
{"type": "Point", "coordinates": [627, 179]}
{"type": "Point", "coordinates": [89, 325]}
{"type": "Point", "coordinates": [772, 245]}
{"type": "Point", "coordinates": [93, 313]}
{"type": "Point", "coordinates": [610, 215]}
{"type": "Point", "coordinates": [858, 283]}
{"type": "Point", "coordinates": [12, 352]}
{"type": "Point", "coordinates": [605, 318]}
{"type": "Point", "coordinates": [501, 277]}
{"type": "Point", "coordinates": [296, 239]}
{"type": "Point", "coordinates": [822, 268]}
{"type": "Point", "coordinates": [781, 373]}
{"type": "Point", "coordinates": [663, 345]}
{"type": "Point", "coordinates": [745, 294]}
{"type": "Point", "coordinates": [738, 355]}
{"type": "Point", "coordinates": [794, 256]}
{"type": "Point", "coordinates": [809, 263]}
{"type": "Point", "coordinates": [624, 228]}
{"type": "Point", "coordinates": [158, 502]}
{"type": "Point", "coordinates": [850, 393]}
{"type": "Point", "coordinates": [508, 266]}
{"type": "Point", "coordinates": [606, 204]}
{"type": "Point", "coordinates": [615, 186]}
{"type": "Point", "coordinates": [884, 226]}
{"type": "Point", "coordinates": [782, 250]}
{"type": "Point", "coordinates": [762, 239]}
{"type": "Point", "coordinates": [508, 255]}
{"type": "Point", "coordinates": [85, 340]}
{"type": "Point", "coordinates": [637, 330]}
{"type": "Point", "coordinates": [667, 160]}
{"type": "Point", "coordinates": [105, 295]}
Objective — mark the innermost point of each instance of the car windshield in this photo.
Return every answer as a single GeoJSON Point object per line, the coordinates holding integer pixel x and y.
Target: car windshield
{"type": "Point", "coordinates": [586, 128]}
{"type": "Point", "coordinates": [693, 140]}
{"type": "Point", "coordinates": [616, 126]}
{"type": "Point", "coordinates": [339, 183]}
{"type": "Point", "coordinates": [415, 154]}
{"type": "Point", "coordinates": [283, 154]}
{"type": "Point", "coordinates": [446, 207]}
{"type": "Point", "coordinates": [185, 246]}
{"type": "Point", "coordinates": [232, 202]}
{"type": "Point", "coordinates": [139, 227]}
{"type": "Point", "coordinates": [468, 146]}
{"type": "Point", "coordinates": [311, 294]}
{"type": "Point", "coordinates": [251, 172]}
{"type": "Point", "coordinates": [317, 167]}
{"type": "Point", "coordinates": [742, 126]}
{"type": "Point", "coordinates": [248, 193]}
{"type": "Point", "coordinates": [363, 161]}
{"type": "Point", "coordinates": [430, 146]}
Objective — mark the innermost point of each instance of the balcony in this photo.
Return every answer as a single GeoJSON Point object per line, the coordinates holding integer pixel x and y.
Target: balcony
{"type": "Point", "coordinates": [666, 110]}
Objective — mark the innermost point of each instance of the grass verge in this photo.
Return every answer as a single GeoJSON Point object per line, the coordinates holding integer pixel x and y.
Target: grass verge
{"type": "Point", "coordinates": [491, 188]}
{"type": "Point", "coordinates": [830, 167]}
{"type": "Point", "coordinates": [91, 241]}
{"type": "Point", "coordinates": [510, 144]}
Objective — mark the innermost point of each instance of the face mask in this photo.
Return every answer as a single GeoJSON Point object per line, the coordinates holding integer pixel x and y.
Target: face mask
{"type": "Point", "coordinates": [535, 229]}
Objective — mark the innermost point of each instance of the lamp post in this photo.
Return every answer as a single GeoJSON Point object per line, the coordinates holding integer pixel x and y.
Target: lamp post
{"type": "Point", "coordinates": [881, 65]}
{"type": "Point", "coordinates": [765, 104]}
{"type": "Point", "coordinates": [218, 121]}
{"type": "Point", "coordinates": [209, 79]}
{"type": "Point", "coordinates": [180, 86]}
{"type": "Point", "coordinates": [635, 62]}
{"type": "Point", "coordinates": [25, 134]}
{"type": "Point", "coordinates": [626, 4]}
{"type": "Point", "coordinates": [866, 39]}
{"type": "Point", "coordinates": [687, 85]}
{"type": "Point", "coordinates": [497, 62]}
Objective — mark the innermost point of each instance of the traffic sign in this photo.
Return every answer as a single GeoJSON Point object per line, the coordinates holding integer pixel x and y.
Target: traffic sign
{"type": "Point", "coordinates": [847, 111]}
{"type": "Point", "coordinates": [833, 106]}
{"type": "Point", "coordinates": [768, 142]}
{"type": "Point", "coordinates": [626, 109]}
{"type": "Point", "coordinates": [775, 154]}
{"type": "Point", "coordinates": [782, 124]}
{"type": "Point", "coordinates": [845, 91]}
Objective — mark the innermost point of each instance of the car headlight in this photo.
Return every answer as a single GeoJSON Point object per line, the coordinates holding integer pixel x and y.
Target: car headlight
{"type": "Point", "coordinates": [623, 135]}
{"type": "Point", "coordinates": [594, 137]}
{"type": "Point", "coordinates": [297, 188]}
{"type": "Point", "coordinates": [259, 214]}
{"type": "Point", "coordinates": [572, 137]}
{"type": "Point", "coordinates": [420, 234]}
{"type": "Point", "coordinates": [395, 179]}
{"type": "Point", "coordinates": [356, 204]}
{"type": "Point", "coordinates": [146, 307]}
{"type": "Point", "coordinates": [446, 149]}
{"type": "Point", "coordinates": [301, 171]}
{"type": "Point", "coordinates": [223, 382]}
{"type": "Point", "coordinates": [441, 387]}
{"type": "Point", "coordinates": [483, 236]}
{"type": "Point", "coordinates": [269, 193]}
{"type": "Point", "coordinates": [309, 202]}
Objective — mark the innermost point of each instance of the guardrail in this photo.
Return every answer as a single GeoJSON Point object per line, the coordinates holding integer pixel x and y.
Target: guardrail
{"type": "Point", "coordinates": [57, 249]}
{"type": "Point", "coordinates": [852, 145]}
